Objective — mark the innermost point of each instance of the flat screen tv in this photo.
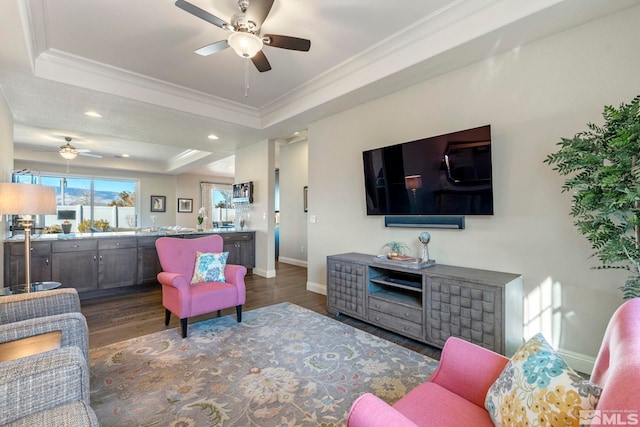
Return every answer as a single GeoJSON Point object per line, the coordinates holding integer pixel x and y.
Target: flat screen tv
{"type": "Point", "coordinates": [441, 175]}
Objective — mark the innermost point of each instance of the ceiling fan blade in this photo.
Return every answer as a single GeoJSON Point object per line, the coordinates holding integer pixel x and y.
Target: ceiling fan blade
{"type": "Point", "coordinates": [287, 42]}
{"type": "Point", "coordinates": [83, 153]}
{"type": "Point", "coordinates": [258, 11]}
{"type": "Point", "coordinates": [261, 62]}
{"type": "Point", "coordinates": [202, 14]}
{"type": "Point", "coordinates": [212, 48]}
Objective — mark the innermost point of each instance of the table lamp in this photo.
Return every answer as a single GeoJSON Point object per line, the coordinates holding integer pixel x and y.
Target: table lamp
{"type": "Point", "coordinates": [27, 200]}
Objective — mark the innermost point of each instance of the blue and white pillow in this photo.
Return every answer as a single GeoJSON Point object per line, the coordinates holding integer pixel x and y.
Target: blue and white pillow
{"type": "Point", "coordinates": [209, 267]}
{"type": "Point", "coordinates": [538, 388]}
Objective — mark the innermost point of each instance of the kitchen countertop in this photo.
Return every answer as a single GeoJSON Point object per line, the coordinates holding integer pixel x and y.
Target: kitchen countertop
{"type": "Point", "coordinates": [138, 233]}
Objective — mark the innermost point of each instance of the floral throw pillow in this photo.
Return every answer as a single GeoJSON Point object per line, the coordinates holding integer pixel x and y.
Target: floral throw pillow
{"type": "Point", "coordinates": [209, 267]}
{"type": "Point", "coordinates": [538, 388]}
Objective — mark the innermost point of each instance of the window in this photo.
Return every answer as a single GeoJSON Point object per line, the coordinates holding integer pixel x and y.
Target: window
{"type": "Point", "coordinates": [88, 204]}
{"type": "Point", "coordinates": [216, 199]}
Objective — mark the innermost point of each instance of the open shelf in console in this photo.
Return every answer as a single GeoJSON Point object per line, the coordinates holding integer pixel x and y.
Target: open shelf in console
{"type": "Point", "coordinates": [395, 286]}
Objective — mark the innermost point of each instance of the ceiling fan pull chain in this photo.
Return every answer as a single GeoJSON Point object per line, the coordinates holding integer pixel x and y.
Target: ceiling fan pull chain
{"type": "Point", "coordinates": [246, 77]}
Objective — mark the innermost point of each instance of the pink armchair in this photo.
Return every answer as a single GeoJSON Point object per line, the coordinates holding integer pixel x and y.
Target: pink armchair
{"type": "Point", "coordinates": [184, 299]}
{"type": "Point", "coordinates": [455, 393]}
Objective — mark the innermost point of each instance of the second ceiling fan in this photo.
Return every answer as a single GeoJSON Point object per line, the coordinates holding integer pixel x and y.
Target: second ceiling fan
{"type": "Point", "coordinates": [245, 38]}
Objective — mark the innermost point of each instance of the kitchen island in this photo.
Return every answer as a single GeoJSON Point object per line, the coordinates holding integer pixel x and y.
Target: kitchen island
{"type": "Point", "coordinates": [108, 263]}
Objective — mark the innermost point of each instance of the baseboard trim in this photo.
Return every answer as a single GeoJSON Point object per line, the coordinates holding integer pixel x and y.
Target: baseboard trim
{"type": "Point", "coordinates": [293, 261]}
{"type": "Point", "coordinates": [269, 274]}
{"type": "Point", "coordinates": [579, 362]}
{"type": "Point", "coordinates": [317, 288]}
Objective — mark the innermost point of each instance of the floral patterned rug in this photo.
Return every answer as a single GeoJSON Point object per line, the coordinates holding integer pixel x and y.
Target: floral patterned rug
{"type": "Point", "coordinates": [282, 366]}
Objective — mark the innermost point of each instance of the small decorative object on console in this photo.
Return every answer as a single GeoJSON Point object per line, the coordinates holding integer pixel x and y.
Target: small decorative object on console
{"type": "Point", "coordinates": [396, 249]}
{"type": "Point", "coordinates": [424, 239]}
{"type": "Point", "coordinates": [201, 217]}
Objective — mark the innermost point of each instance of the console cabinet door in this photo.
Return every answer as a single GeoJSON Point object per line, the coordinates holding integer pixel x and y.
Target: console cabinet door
{"type": "Point", "coordinates": [346, 287]}
{"type": "Point", "coordinates": [471, 311]}
{"type": "Point", "coordinates": [74, 263]}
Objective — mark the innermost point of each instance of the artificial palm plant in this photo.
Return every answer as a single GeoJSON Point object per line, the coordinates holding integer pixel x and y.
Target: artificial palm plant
{"type": "Point", "coordinates": [603, 169]}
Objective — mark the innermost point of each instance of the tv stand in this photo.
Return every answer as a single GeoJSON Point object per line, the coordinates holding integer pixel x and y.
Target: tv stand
{"type": "Point", "coordinates": [429, 304]}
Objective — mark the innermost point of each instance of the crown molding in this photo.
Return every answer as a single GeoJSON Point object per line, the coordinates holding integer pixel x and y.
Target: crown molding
{"type": "Point", "coordinates": [74, 70]}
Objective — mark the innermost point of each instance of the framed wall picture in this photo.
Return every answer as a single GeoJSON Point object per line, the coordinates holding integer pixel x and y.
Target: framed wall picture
{"type": "Point", "coordinates": [158, 203]}
{"type": "Point", "coordinates": [185, 205]}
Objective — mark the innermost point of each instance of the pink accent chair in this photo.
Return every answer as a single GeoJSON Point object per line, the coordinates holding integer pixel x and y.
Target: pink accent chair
{"type": "Point", "coordinates": [180, 297]}
{"type": "Point", "coordinates": [455, 393]}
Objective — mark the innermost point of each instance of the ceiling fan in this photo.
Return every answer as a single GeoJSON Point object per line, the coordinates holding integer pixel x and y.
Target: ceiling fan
{"type": "Point", "coordinates": [245, 38]}
{"type": "Point", "coordinates": [69, 152]}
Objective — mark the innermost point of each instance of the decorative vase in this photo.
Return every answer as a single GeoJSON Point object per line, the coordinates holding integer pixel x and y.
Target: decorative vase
{"type": "Point", "coordinates": [66, 227]}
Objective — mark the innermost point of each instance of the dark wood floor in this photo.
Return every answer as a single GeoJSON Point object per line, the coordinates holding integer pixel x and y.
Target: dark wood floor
{"type": "Point", "coordinates": [119, 318]}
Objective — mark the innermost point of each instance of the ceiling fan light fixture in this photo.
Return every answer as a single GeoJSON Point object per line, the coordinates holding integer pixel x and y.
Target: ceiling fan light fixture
{"type": "Point", "coordinates": [68, 153]}
{"type": "Point", "coordinates": [245, 44]}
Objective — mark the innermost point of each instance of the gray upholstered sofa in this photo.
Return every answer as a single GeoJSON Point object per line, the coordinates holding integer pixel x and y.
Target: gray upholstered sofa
{"type": "Point", "coordinates": [49, 388]}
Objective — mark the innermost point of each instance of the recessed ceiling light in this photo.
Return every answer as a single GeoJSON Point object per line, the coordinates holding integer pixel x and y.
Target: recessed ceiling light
{"type": "Point", "coordinates": [125, 155]}
{"type": "Point", "coordinates": [212, 136]}
{"type": "Point", "coordinates": [92, 114]}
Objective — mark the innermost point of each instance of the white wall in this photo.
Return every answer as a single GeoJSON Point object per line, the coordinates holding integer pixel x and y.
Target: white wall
{"type": "Point", "coordinates": [257, 163]}
{"type": "Point", "coordinates": [293, 219]}
{"type": "Point", "coordinates": [6, 160]}
{"type": "Point", "coordinates": [531, 96]}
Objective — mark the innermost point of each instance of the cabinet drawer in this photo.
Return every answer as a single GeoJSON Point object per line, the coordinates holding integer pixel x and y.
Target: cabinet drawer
{"type": "Point", "coordinates": [37, 248]}
{"type": "Point", "coordinates": [396, 310]}
{"type": "Point", "coordinates": [74, 245]}
{"type": "Point", "coordinates": [396, 324]}
{"type": "Point", "coordinates": [236, 237]}
{"type": "Point", "coordinates": [117, 243]}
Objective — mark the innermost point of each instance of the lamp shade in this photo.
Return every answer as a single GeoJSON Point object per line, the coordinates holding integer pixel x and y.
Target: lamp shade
{"type": "Point", "coordinates": [245, 44]}
{"type": "Point", "coordinates": [27, 199]}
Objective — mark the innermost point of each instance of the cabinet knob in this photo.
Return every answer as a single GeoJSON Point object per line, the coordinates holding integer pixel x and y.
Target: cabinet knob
{"type": "Point", "coordinates": [377, 305]}
{"type": "Point", "coordinates": [377, 319]}
{"type": "Point", "coordinates": [95, 258]}
{"type": "Point", "coordinates": [46, 261]}
{"type": "Point", "coordinates": [406, 315]}
{"type": "Point", "coordinates": [118, 244]}
{"type": "Point", "coordinates": [75, 246]}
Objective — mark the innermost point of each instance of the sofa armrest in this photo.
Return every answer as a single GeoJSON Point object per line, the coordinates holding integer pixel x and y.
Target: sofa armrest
{"type": "Point", "coordinates": [14, 308]}
{"type": "Point", "coordinates": [73, 326]}
{"type": "Point", "coordinates": [468, 370]}
{"type": "Point", "coordinates": [74, 414]}
{"type": "Point", "coordinates": [371, 411]}
{"type": "Point", "coordinates": [42, 381]}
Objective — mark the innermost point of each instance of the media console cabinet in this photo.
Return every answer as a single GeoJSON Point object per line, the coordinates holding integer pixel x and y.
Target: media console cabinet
{"type": "Point", "coordinates": [429, 304]}
{"type": "Point", "coordinates": [106, 264]}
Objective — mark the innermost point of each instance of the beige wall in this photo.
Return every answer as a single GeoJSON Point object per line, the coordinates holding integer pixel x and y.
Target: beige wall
{"type": "Point", "coordinates": [293, 161]}
{"type": "Point", "coordinates": [531, 96]}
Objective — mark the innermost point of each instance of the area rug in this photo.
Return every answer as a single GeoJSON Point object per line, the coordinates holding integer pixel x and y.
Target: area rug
{"type": "Point", "coordinates": [283, 365]}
